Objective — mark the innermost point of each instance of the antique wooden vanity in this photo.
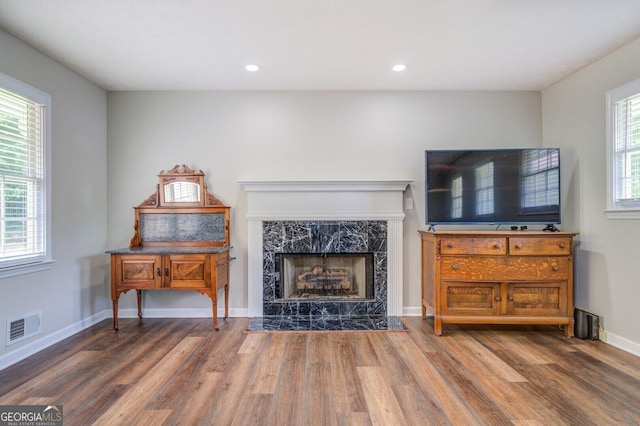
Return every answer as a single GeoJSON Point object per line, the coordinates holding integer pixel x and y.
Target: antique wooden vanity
{"type": "Point", "coordinates": [181, 242]}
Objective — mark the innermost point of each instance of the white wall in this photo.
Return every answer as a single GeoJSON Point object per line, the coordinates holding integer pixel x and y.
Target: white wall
{"type": "Point", "coordinates": [72, 293]}
{"type": "Point", "coordinates": [607, 281]}
{"type": "Point", "coordinates": [236, 136]}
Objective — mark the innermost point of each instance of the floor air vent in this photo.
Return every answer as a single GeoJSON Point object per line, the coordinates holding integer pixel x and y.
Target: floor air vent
{"type": "Point", "coordinates": [23, 327]}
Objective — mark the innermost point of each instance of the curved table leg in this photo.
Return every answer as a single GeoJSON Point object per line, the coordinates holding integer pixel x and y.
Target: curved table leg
{"type": "Point", "coordinates": [139, 294]}
{"type": "Point", "coordinates": [115, 314]}
{"type": "Point", "coordinates": [214, 306]}
{"type": "Point", "coordinates": [226, 301]}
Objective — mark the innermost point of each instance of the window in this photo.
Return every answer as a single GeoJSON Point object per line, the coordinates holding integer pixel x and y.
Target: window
{"type": "Point", "coordinates": [540, 179]}
{"type": "Point", "coordinates": [623, 152]}
{"type": "Point", "coordinates": [24, 142]}
{"type": "Point", "coordinates": [456, 198]}
{"type": "Point", "coordinates": [484, 189]}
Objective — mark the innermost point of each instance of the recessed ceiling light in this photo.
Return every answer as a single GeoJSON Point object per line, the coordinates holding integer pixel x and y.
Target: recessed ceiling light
{"type": "Point", "coordinates": [399, 67]}
{"type": "Point", "coordinates": [252, 67]}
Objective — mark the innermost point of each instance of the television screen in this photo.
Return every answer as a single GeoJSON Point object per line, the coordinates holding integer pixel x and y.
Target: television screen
{"type": "Point", "coordinates": [500, 186]}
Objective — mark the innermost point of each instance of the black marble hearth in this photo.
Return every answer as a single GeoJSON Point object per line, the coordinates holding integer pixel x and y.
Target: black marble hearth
{"type": "Point", "coordinates": [327, 323]}
{"type": "Point", "coordinates": [306, 236]}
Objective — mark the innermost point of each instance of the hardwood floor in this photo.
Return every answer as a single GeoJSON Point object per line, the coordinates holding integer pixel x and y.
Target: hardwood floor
{"type": "Point", "coordinates": [180, 372]}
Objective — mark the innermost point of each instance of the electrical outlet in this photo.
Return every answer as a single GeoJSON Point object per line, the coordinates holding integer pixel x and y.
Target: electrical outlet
{"type": "Point", "coordinates": [602, 333]}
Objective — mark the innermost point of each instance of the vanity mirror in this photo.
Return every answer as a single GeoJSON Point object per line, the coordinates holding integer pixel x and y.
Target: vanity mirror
{"type": "Point", "coordinates": [181, 192]}
{"type": "Point", "coordinates": [181, 186]}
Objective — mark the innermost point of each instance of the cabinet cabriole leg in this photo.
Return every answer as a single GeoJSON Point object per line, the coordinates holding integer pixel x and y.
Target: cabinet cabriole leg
{"type": "Point", "coordinates": [214, 306]}
{"type": "Point", "coordinates": [226, 301]}
{"type": "Point", "coordinates": [139, 294]}
{"type": "Point", "coordinates": [115, 314]}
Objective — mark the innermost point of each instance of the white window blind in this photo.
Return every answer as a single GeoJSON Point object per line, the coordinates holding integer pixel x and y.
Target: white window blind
{"type": "Point", "coordinates": [627, 149]}
{"type": "Point", "coordinates": [484, 189]}
{"type": "Point", "coordinates": [456, 198]}
{"type": "Point", "coordinates": [23, 216]}
{"type": "Point", "coordinates": [540, 178]}
{"type": "Point", "coordinates": [623, 150]}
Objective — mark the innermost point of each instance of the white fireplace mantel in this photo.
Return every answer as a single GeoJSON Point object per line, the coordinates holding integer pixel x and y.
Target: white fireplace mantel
{"type": "Point", "coordinates": [325, 200]}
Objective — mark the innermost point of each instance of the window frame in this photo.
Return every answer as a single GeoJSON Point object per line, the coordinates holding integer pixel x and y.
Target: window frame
{"type": "Point", "coordinates": [614, 209]}
{"type": "Point", "coordinates": [44, 262]}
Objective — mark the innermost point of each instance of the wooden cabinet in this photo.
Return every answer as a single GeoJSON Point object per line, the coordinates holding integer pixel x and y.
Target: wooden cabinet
{"type": "Point", "coordinates": [203, 269]}
{"type": "Point", "coordinates": [181, 242]}
{"type": "Point", "coordinates": [174, 271]}
{"type": "Point", "coordinates": [514, 277]}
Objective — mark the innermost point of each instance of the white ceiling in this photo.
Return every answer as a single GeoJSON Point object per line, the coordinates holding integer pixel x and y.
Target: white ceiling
{"type": "Point", "coordinates": [323, 44]}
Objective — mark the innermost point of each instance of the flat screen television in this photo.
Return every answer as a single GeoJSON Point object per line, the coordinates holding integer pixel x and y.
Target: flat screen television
{"type": "Point", "coordinates": [497, 186]}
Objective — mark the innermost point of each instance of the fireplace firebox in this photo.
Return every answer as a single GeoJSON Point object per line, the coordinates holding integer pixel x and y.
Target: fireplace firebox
{"type": "Point", "coordinates": [333, 276]}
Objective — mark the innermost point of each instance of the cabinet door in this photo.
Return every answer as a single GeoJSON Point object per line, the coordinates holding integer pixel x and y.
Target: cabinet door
{"type": "Point", "coordinates": [537, 298]}
{"type": "Point", "coordinates": [470, 298]}
{"type": "Point", "coordinates": [187, 271]}
{"type": "Point", "coordinates": [138, 271]}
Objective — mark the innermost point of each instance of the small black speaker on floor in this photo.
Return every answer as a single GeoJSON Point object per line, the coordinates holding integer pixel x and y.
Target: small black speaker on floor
{"type": "Point", "coordinates": [587, 325]}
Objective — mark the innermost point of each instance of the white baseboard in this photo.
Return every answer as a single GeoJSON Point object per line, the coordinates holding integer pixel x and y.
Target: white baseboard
{"type": "Point", "coordinates": [622, 343]}
{"type": "Point", "coordinates": [36, 346]}
{"type": "Point", "coordinates": [178, 313]}
{"type": "Point", "coordinates": [206, 313]}
{"type": "Point", "coordinates": [412, 311]}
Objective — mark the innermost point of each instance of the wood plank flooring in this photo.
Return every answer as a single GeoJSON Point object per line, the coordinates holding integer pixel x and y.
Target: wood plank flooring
{"type": "Point", "coordinates": [180, 372]}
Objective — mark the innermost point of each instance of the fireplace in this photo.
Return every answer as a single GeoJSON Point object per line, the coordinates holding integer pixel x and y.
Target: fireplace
{"type": "Point", "coordinates": [315, 217]}
{"type": "Point", "coordinates": [333, 276]}
{"type": "Point", "coordinates": [322, 257]}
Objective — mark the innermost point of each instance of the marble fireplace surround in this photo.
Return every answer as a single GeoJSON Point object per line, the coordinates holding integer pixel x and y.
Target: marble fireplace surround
{"type": "Point", "coordinates": [362, 201]}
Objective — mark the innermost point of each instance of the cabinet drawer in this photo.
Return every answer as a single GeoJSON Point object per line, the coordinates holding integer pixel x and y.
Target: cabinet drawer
{"type": "Point", "coordinates": [539, 246]}
{"type": "Point", "coordinates": [473, 245]}
{"type": "Point", "coordinates": [514, 268]}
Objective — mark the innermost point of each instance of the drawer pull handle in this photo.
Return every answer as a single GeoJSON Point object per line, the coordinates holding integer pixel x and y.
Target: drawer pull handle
{"type": "Point", "coordinates": [498, 298]}
{"type": "Point", "coordinates": [518, 246]}
{"type": "Point", "coordinates": [496, 246]}
{"type": "Point", "coordinates": [449, 245]}
{"type": "Point", "coordinates": [562, 245]}
{"type": "Point", "coordinates": [455, 266]}
{"type": "Point", "coordinates": [555, 267]}
{"type": "Point", "coordinates": [159, 271]}
{"type": "Point", "coordinates": [166, 272]}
